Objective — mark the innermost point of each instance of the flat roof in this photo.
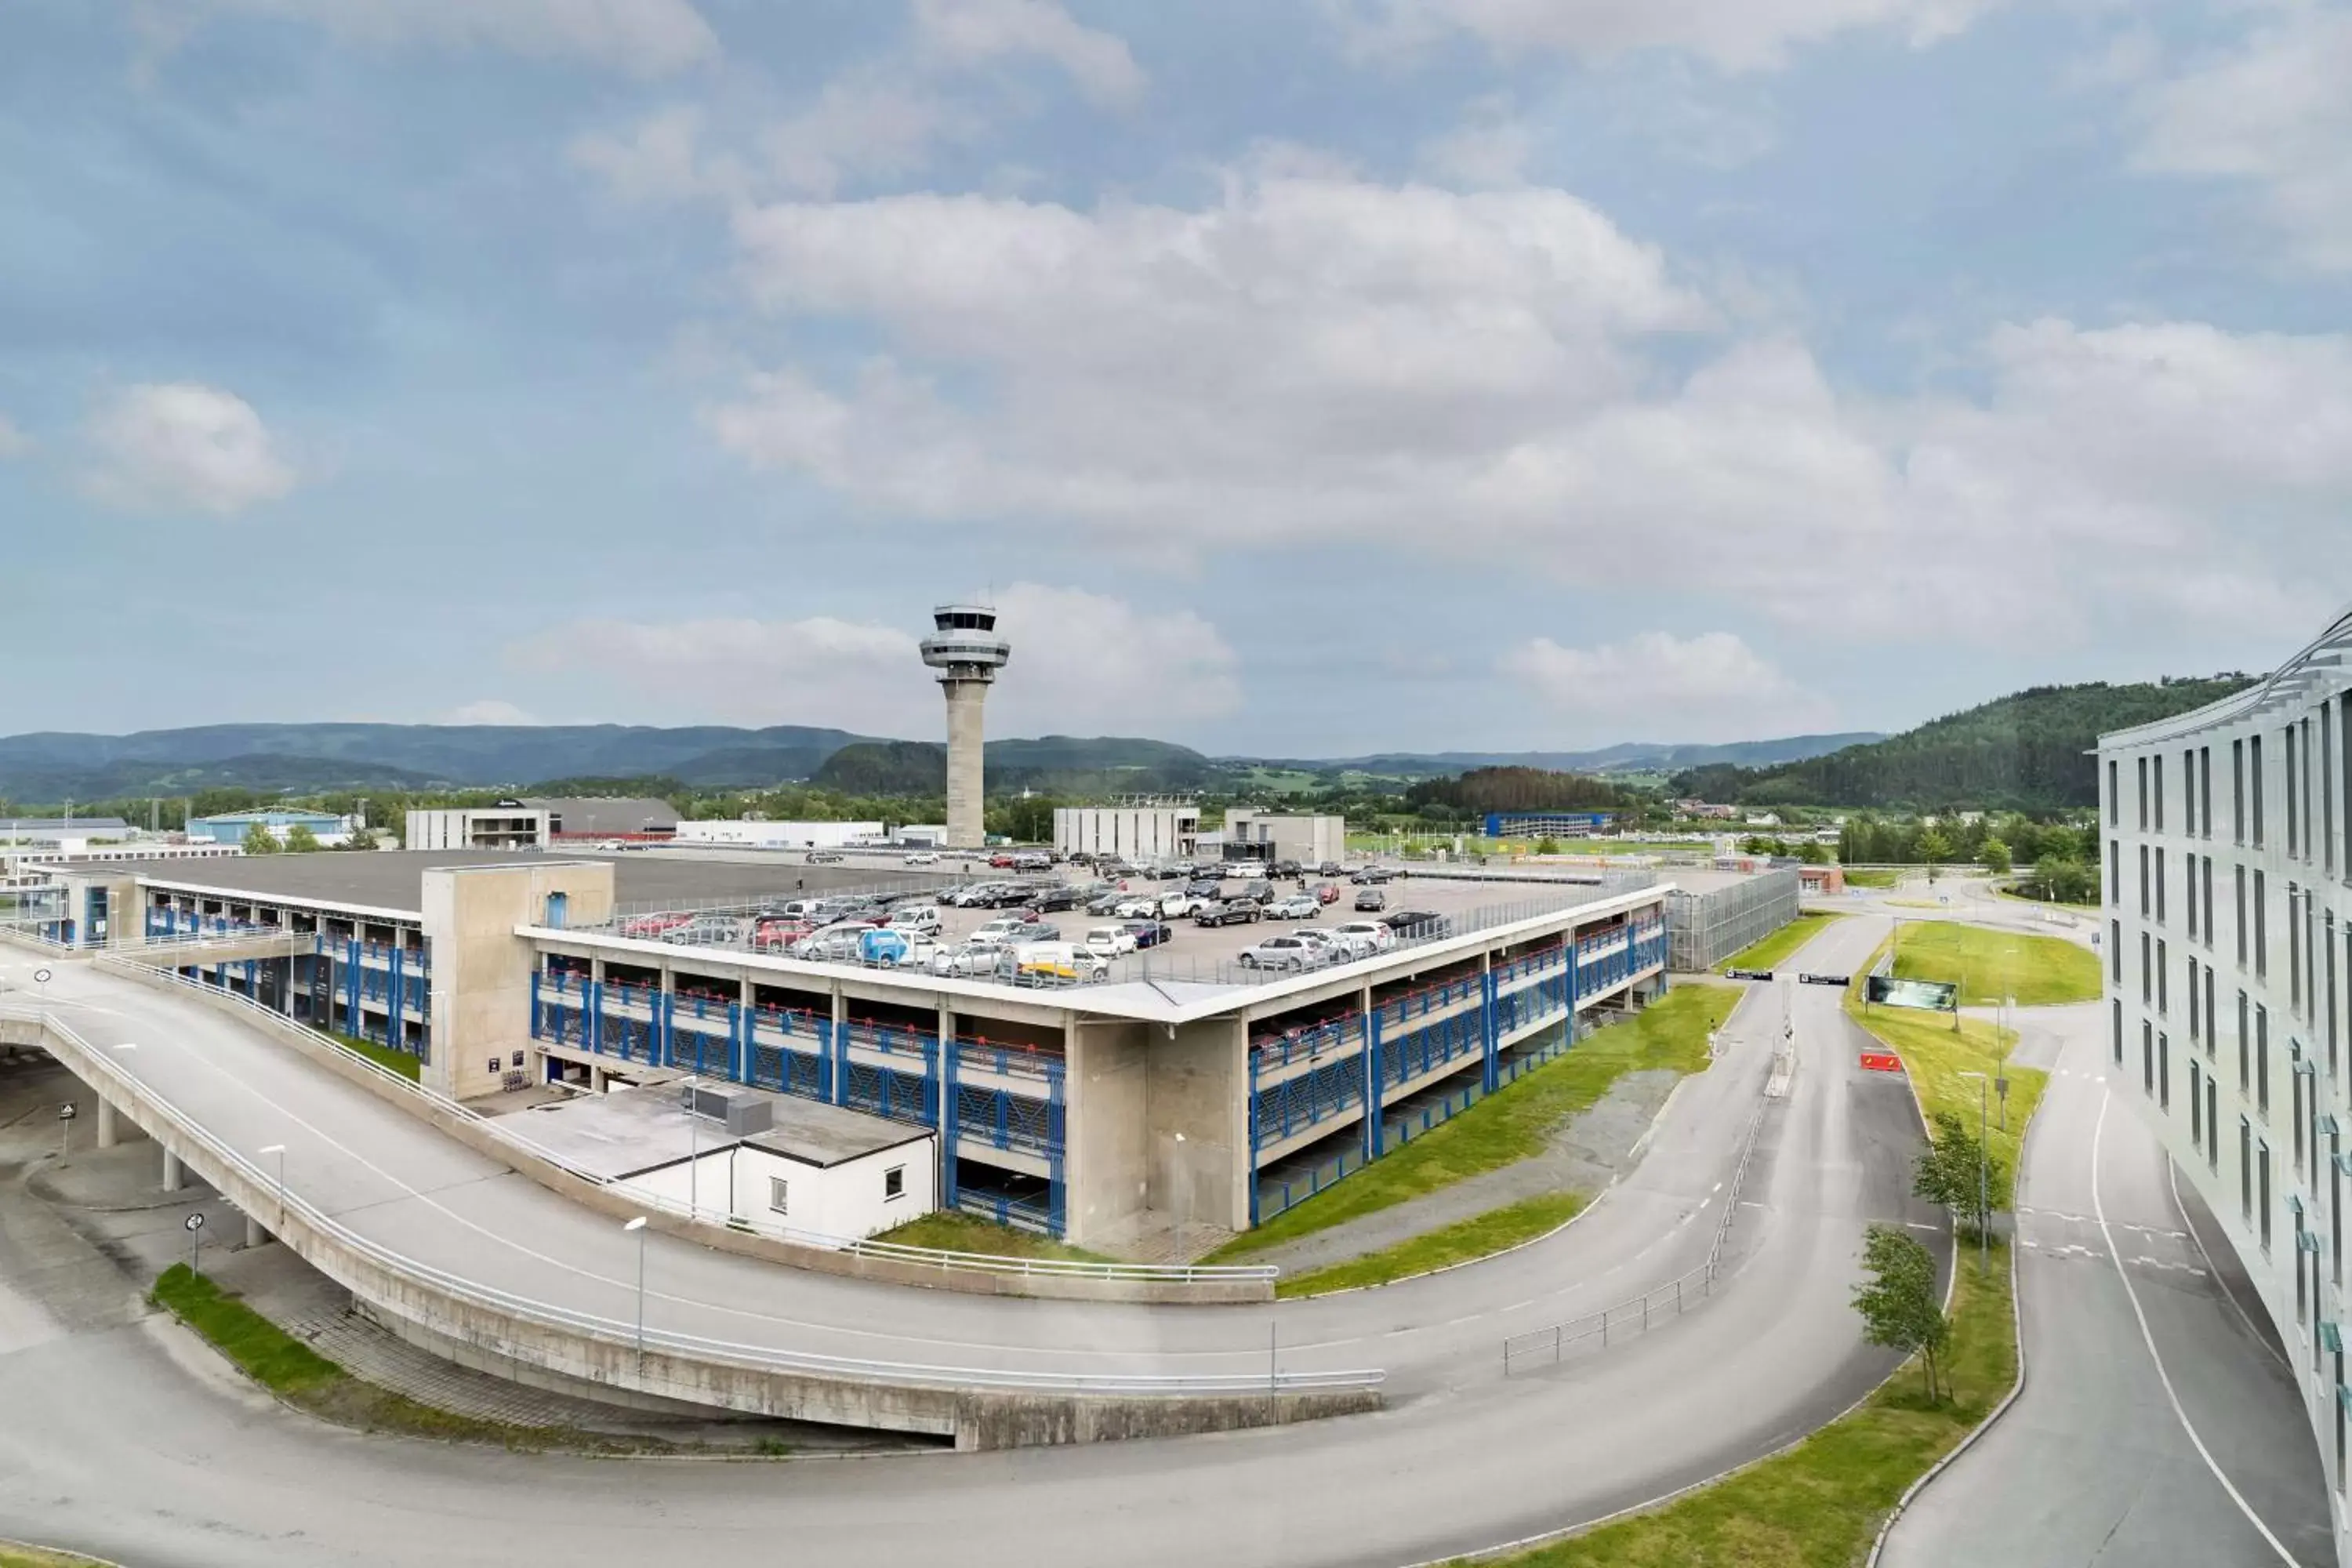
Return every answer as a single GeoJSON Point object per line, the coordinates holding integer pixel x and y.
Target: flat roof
{"type": "Point", "coordinates": [631, 1130]}
{"type": "Point", "coordinates": [393, 881]}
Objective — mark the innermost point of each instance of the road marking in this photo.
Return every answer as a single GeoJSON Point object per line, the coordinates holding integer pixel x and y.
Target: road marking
{"type": "Point", "coordinates": [2131, 1293]}
{"type": "Point", "coordinates": [2259, 1337]}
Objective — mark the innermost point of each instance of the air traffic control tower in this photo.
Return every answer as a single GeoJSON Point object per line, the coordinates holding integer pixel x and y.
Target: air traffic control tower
{"type": "Point", "coordinates": [967, 652]}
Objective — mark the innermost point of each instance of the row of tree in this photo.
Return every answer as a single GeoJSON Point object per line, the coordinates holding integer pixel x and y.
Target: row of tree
{"type": "Point", "coordinates": [1483, 790]}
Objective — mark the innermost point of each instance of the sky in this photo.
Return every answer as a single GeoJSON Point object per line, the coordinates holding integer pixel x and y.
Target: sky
{"type": "Point", "coordinates": [1298, 377]}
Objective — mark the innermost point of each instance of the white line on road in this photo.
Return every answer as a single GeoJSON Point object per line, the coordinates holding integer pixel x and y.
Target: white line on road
{"type": "Point", "coordinates": [2098, 1204]}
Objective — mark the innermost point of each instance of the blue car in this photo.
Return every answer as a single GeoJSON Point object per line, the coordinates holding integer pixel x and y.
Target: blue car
{"type": "Point", "coordinates": [884, 945]}
{"type": "Point", "coordinates": [1150, 933]}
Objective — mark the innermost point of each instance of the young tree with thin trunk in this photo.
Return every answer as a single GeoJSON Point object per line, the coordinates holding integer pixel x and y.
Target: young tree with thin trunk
{"type": "Point", "coordinates": [1899, 1303]}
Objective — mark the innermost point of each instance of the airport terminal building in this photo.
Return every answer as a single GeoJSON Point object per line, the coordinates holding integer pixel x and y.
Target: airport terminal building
{"type": "Point", "coordinates": [2227, 937]}
{"type": "Point", "coordinates": [1176, 1084]}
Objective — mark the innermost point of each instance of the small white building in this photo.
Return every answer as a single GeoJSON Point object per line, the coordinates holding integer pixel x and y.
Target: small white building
{"type": "Point", "coordinates": [772, 1160]}
{"type": "Point", "coordinates": [1153, 831]}
{"type": "Point", "coordinates": [510, 825]}
{"type": "Point", "coordinates": [780, 835]}
{"type": "Point", "coordinates": [1273, 836]}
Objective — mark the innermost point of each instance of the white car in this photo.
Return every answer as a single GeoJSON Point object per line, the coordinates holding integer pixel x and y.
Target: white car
{"type": "Point", "coordinates": [971, 958]}
{"type": "Point", "coordinates": [923, 858]}
{"type": "Point", "coordinates": [923, 919]}
{"type": "Point", "coordinates": [1285, 952]}
{"type": "Point", "coordinates": [1003, 928]}
{"type": "Point", "coordinates": [1111, 942]}
{"type": "Point", "coordinates": [1365, 937]}
{"type": "Point", "coordinates": [1137, 907]}
{"type": "Point", "coordinates": [1333, 948]}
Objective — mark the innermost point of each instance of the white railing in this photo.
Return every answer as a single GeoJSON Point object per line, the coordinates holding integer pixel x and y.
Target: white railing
{"type": "Point", "coordinates": [625, 1334]}
{"type": "Point", "coordinates": [924, 1257]}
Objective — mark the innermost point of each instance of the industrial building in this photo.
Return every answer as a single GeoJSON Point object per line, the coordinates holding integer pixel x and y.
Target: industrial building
{"type": "Point", "coordinates": [2228, 954]}
{"type": "Point", "coordinates": [1716, 914]}
{"type": "Point", "coordinates": [507, 826]}
{"type": "Point", "coordinates": [1175, 1085]}
{"type": "Point", "coordinates": [65, 834]}
{"type": "Point", "coordinates": [1274, 835]}
{"type": "Point", "coordinates": [231, 827]}
{"type": "Point", "coordinates": [1142, 830]}
{"type": "Point", "coordinates": [535, 824]}
{"type": "Point", "coordinates": [780, 835]}
{"type": "Point", "coordinates": [1546, 824]}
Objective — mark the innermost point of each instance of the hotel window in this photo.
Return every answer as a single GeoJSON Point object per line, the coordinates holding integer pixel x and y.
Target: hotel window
{"type": "Point", "coordinates": [2114, 796]}
{"type": "Point", "coordinates": [2262, 1061]}
{"type": "Point", "coordinates": [2213, 1123]}
{"type": "Point", "coordinates": [2157, 771]}
{"type": "Point", "coordinates": [2294, 945]}
{"type": "Point", "coordinates": [2192, 897]}
{"type": "Point", "coordinates": [2205, 786]}
{"type": "Point", "coordinates": [2146, 901]}
{"type": "Point", "coordinates": [2146, 972]}
{"type": "Point", "coordinates": [2196, 1109]}
{"type": "Point", "coordinates": [2242, 930]}
{"type": "Point", "coordinates": [2116, 951]}
{"type": "Point", "coordinates": [2262, 1186]}
{"type": "Point", "coordinates": [2293, 798]}
{"type": "Point", "coordinates": [2326, 787]}
{"type": "Point", "coordinates": [2208, 901]}
{"type": "Point", "coordinates": [2238, 791]}
{"type": "Point", "coordinates": [2245, 1048]}
{"type": "Point", "coordinates": [2261, 925]}
{"type": "Point", "coordinates": [2159, 887]}
{"type": "Point", "coordinates": [2116, 1014]}
{"type": "Point", "coordinates": [2189, 791]}
{"type": "Point", "coordinates": [2163, 980]}
{"type": "Point", "coordinates": [2196, 1026]}
{"type": "Point", "coordinates": [2116, 871]}
{"type": "Point", "coordinates": [2147, 1057]}
{"type": "Point", "coordinates": [2246, 1170]}
{"type": "Point", "coordinates": [2164, 1073]}
{"type": "Point", "coordinates": [2254, 752]}
{"type": "Point", "coordinates": [2328, 949]}
{"type": "Point", "coordinates": [2143, 794]}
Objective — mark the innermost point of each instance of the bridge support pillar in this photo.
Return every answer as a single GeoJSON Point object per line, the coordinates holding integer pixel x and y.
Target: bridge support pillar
{"type": "Point", "coordinates": [173, 1178]}
{"type": "Point", "coordinates": [253, 1235]}
{"type": "Point", "coordinates": [105, 1122]}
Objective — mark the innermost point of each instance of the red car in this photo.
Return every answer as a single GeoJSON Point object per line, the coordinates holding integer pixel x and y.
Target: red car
{"type": "Point", "coordinates": [1328, 893]}
{"type": "Point", "coordinates": [654, 925]}
{"type": "Point", "coordinates": [1000, 861]}
{"type": "Point", "coordinates": [778, 935]}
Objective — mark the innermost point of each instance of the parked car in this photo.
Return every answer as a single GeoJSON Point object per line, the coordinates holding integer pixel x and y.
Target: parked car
{"type": "Point", "coordinates": [1039, 962]}
{"type": "Point", "coordinates": [1334, 951]}
{"type": "Point", "coordinates": [1284, 870]}
{"type": "Point", "coordinates": [1296, 907]}
{"type": "Point", "coordinates": [922, 920]}
{"type": "Point", "coordinates": [1106, 903]}
{"type": "Point", "coordinates": [1331, 868]}
{"type": "Point", "coordinates": [1003, 928]}
{"type": "Point", "coordinates": [1205, 887]}
{"type": "Point", "coordinates": [832, 944]}
{"type": "Point", "coordinates": [1033, 860]}
{"type": "Point", "coordinates": [1110, 941]}
{"type": "Point", "coordinates": [1327, 892]}
{"type": "Point", "coordinates": [1281, 952]}
{"type": "Point", "coordinates": [824, 858]}
{"type": "Point", "coordinates": [1232, 911]}
{"type": "Point", "coordinates": [1373, 876]}
{"type": "Point", "coordinates": [646, 927]}
{"type": "Point", "coordinates": [1260, 890]}
{"type": "Point", "coordinates": [1151, 933]}
{"type": "Point", "coordinates": [1177, 905]}
{"type": "Point", "coordinates": [1054, 896]}
{"type": "Point", "coordinates": [1371, 898]}
{"type": "Point", "coordinates": [896, 949]}
{"type": "Point", "coordinates": [1137, 906]}
{"type": "Point", "coordinates": [1371, 935]}
{"type": "Point", "coordinates": [1419, 924]}
{"type": "Point", "coordinates": [707, 931]}
{"type": "Point", "coordinates": [971, 958]}
{"type": "Point", "coordinates": [923, 858]}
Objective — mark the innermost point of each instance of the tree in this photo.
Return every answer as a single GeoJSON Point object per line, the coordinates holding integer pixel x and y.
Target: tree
{"type": "Point", "coordinates": [1995, 855]}
{"type": "Point", "coordinates": [259, 840]}
{"type": "Point", "coordinates": [1960, 1173]}
{"type": "Point", "coordinates": [300, 841]}
{"type": "Point", "coordinates": [1547, 846]}
{"type": "Point", "coordinates": [1934, 849]}
{"type": "Point", "coordinates": [1814, 853]}
{"type": "Point", "coordinates": [1899, 1303]}
{"type": "Point", "coordinates": [363, 840]}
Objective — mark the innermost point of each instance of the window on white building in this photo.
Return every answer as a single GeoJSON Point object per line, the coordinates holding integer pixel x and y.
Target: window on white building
{"type": "Point", "coordinates": [780, 1195]}
{"type": "Point", "coordinates": [894, 1183]}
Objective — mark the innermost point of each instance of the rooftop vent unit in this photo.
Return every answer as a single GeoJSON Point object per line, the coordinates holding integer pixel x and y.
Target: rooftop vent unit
{"type": "Point", "coordinates": [740, 1114]}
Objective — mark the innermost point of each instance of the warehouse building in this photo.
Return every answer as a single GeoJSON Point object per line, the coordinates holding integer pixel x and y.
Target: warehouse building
{"type": "Point", "coordinates": [508, 826]}
{"type": "Point", "coordinates": [231, 827]}
{"type": "Point", "coordinates": [1274, 835]}
{"type": "Point", "coordinates": [780, 835]}
{"type": "Point", "coordinates": [1143, 830]}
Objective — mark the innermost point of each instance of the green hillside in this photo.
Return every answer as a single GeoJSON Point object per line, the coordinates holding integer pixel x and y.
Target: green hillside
{"type": "Point", "coordinates": [2022, 753]}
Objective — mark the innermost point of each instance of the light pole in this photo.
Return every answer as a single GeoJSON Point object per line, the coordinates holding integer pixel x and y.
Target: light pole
{"type": "Point", "coordinates": [279, 1150]}
{"type": "Point", "coordinates": [693, 1153]}
{"type": "Point", "coordinates": [1984, 1166]}
{"type": "Point", "coordinates": [638, 1225]}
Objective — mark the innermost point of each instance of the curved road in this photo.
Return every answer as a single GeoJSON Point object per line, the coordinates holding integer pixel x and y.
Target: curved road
{"type": "Point", "coordinates": [109, 1450]}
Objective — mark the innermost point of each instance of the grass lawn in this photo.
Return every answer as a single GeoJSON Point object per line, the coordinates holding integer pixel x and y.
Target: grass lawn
{"type": "Point", "coordinates": [1512, 1123]}
{"type": "Point", "coordinates": [1458, 1243]}
{"type": "Point", "coordinates": [14, 1554]}
{"type": "Point", "coordinates": [1820, 1504]}
{"type": "Point", "coordinates": [401, 1062]}
{"type": "Point", "coordinates": [1774, 950]}
{"type": "Point", "coordinates": [309, 1382]}
{"type": "Point", "coordinates": [969, 1232]}
{"type": "Point", "coordinates": [1866, 878]}
{"type": "Point", "coordinates": [1934, 1056]}
{"type": "Point", "coordinates": [1989, 964]}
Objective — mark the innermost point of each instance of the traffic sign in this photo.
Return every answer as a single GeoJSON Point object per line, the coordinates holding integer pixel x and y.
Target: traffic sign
{"type": "Point", "coordinates": [1881, 1061]}
{"type": "Point", "coordinates": [193, 1222]}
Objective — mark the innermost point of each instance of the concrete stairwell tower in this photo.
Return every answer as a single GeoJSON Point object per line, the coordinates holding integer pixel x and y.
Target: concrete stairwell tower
{"type": "Point", "coordinates": [967, 652]}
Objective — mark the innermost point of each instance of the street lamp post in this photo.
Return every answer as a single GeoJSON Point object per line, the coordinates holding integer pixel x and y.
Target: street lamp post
{"type": "Point", "coordinates": [1984, 1166]}
{"type": "Point", "coordinates": [638, 1225]}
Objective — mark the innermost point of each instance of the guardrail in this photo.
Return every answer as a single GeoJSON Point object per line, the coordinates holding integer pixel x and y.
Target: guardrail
{"type": "Point", "coordinates": [1659, 1303]}
{"type": "Point", "coordinates": [619, 1334]}
{"type": "Point", "coordinates": [924, 1256]}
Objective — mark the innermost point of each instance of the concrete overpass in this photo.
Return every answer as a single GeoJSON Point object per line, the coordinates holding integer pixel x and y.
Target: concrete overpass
{"type": "Point", "coordinates": [1490, 1459]}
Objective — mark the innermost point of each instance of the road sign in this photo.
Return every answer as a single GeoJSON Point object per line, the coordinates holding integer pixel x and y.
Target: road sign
{"type": "Point", "coordinates": [193, 1222]}
{"type": "Point", "coordinates": [1881, 1061]}
{"type": "Point", "coordinates": [67, 1112]}
{"type": "Point", "coordinates": [40, 976]}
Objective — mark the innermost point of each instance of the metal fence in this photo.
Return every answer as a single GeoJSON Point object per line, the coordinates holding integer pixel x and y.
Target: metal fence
{"type": "Point", "coordinates": [625, 1334]}
{"type": "Point", "coordinates": [1659, 1304]}
{"type": "Point", "coordinates": [1705, 929]}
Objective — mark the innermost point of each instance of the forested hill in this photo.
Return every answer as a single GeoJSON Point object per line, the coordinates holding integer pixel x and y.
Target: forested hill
{"type": "Point", "coordinates": [2022, 753]}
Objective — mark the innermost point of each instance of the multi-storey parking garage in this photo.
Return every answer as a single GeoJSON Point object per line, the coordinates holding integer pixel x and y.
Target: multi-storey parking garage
{"type": "Point", "coordinates": [1178, 1085]}
{"type": "Point", "coordinates": [2229, 943]}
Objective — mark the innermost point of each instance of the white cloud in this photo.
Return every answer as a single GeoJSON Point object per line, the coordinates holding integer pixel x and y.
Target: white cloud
{"type": "Point", "coordinates": [182, 447]}
{"type": "Point", "coordinates": [644, 37]}
{"type": "Point", "coordinates": [487, 711]}
{"type": "Point", "coordinates": [1490, 148]}
{"type": "Point", "coordinates": [865, 123]}
{"type": "Point", "coordinates": [14, 442]}
{"type": "Point", "coordinates": [967, 32]}
{"type": "Point", "coordinates": [1709, 686]}
{"type": "Point", "coordinates": [2274, 111]}
{"type": "Point", "coordinates": [1732, 35]}
{"type": "Point", "coordinates": [662, 159]}
{"type": "Point", "coordinates": [1082, 662]}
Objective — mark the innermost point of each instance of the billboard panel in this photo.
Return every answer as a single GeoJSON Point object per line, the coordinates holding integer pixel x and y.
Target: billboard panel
{"type": "Point", "coordinates": [1937, 996]}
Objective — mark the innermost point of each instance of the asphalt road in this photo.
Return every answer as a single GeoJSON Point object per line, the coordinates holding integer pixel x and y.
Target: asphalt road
{"type": "Point", "coordinates": [2093, 1464]}
{"type": "Point", "coordinates": [109, 1448]}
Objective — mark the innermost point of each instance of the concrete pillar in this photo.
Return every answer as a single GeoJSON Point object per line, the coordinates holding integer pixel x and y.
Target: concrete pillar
{"type": "Point", "coordinates": [595, 1079]}
{"type": "Point", "coordinates": [840, 1046]}
{"type": "Point", "coordinates": [1110, 1138]}
{"type": "Point", "coordinates": [105, 1122]}
{"type": "Point", "coordinates": [1197, 1083]}
{"type": "Point", "coordinates": [173, 1178]}
{"type": "Point", "coordinates": [253, 1235]}
{"type": "Point", "coordinates": [966, 828]}
{"type": "Point", "coordinates": [945, 1187]}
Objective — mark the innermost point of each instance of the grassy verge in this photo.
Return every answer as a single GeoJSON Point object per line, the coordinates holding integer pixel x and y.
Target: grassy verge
{"type": "Point", "coordinates": [15, 1554]}
{"type": "Point", "coordinates": [2009, 890]}
{"type": "Point", "coordinates": [1887, 879]}
{"type": "Point", "coordinates": [401, 1062]}
{"type": "Point", "coordinates": [1774, 950]}
{"type": "Point", "coordinates": [1819, 1504]}
{"type": "Point", "coordinates": [309, 1382]}
{"type": "Point", "coordinates": [969, 1232]}
{"type": "Point", "coordinates": [1514, 1123]}
{"type": "Point", "coordinates": [1460, 1242]}
{"type": "Point", "coordinates": [1989, 965]}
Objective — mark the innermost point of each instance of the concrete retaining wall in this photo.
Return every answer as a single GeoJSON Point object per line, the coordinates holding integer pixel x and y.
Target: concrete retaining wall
{"type": "Point", "coordinates": [724, 1239]}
